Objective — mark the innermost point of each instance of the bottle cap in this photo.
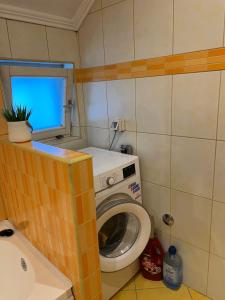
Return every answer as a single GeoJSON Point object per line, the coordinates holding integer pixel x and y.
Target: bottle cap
{"type": "Point", "coordinates": [172, 250]}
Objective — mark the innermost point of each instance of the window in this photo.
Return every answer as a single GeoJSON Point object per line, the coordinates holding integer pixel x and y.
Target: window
{"type": "Point", "coordinates": [45, 96]}
{"type": "Point", "coordinates": [46, 89]}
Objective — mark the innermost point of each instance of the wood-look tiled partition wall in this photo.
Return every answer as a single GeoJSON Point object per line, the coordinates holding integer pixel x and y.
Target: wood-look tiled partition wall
{"type": "Point", "coordinates": [48, 194]}
{"type": "Point", "coordinates": [192, 62]}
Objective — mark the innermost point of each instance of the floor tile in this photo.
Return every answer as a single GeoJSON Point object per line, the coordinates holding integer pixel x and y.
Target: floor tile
{"type": "Point", "coordinates": [125, 295]}
{"type": "Point", "coordinates": [196, 296]}
{"type": "Point", "coordinates": [129, 286]}
{"type": "Point", "coordinates": [163, 294]}
{"type": "Point", "coordinates": [142, 283]}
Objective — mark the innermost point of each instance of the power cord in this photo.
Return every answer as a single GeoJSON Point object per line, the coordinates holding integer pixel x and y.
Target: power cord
{"type": "Point", "coordinates": [114, 136]}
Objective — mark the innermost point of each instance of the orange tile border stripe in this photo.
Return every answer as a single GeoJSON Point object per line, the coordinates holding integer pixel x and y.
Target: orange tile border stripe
{"type": "Point", "coordinates": [191, 62]}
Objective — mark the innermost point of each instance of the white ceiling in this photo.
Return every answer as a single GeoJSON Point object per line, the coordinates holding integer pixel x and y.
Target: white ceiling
{"type": "Point", "coordinates": [67, 14]}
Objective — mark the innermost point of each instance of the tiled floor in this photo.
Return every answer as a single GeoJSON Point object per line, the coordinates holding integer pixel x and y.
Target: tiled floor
{"type": "Point", "coordinates": [140, 288]}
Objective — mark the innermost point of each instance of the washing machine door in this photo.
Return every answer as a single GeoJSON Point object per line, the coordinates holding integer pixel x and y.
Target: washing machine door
{"type": "Point", "coordinates": [124, 229]}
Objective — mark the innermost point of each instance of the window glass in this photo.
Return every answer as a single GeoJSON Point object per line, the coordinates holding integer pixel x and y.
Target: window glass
{"type": "Point", "coordinates": [45, 96]}
{"type": "Point", "coordinates": [118, 235]}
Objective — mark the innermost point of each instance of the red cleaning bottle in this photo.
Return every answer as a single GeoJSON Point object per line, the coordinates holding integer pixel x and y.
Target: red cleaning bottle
{"type": "Point", "coordinates": [151, 260]}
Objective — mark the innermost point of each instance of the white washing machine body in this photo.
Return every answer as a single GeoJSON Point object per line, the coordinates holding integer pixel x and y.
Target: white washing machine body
{"type": "Point", "coordinates": [123, 224]}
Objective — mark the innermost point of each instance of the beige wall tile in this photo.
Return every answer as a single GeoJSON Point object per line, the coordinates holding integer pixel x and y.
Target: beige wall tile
{"type": "Point", "coordinates": [28, 41]}
{"type": "Point", "coordinates": [198, 25]}
{"type": "Point", "coordinates": [153, 23]}
{"type": "Point", "coordinates": [4, 40]}
{"type": "Point", "coordinates": [96, 6]}
{"type": "Point", "coordinates": [121, 102]}
{"type": "Point", "coordinates": [118, 32]}
{"type": "Point", "coordinates": [63, 45]}
{"type": "Point", "coordinates": [221, 118]}
{"type": "Point", "coordinates": [154, 153]}
{"type": "Point", "coordinates": [216, 286]}
{"type": "Point", "coordinates": [153, 104]}
{"type": "Point", "coordinates": [156, 200]}
{"type": "Point", "coordinates": [96, 104]}
{"type": "Point", "coordinates": [98, 137]}
{"type": "Point", "coordinates": [219, 187]}
{"type": "Point", "coordinates": [81, 106]}
{"type": "Point", "coordinates": [195, 104]}
{"type": "Point", "coordinates": [192, 165]}
{"type": "Point", "coordinates": [91, 41]}
{"type": "Point", "coordinates": [195, 265]}
{"type": "Point", "coordinates": [124, 138]}
{"type": "Point", "coordinates": [192, 217]}
{"type": "Point", "coordinates": [164, 238]}
{"type": "Point", "coordinates": [217, 231]}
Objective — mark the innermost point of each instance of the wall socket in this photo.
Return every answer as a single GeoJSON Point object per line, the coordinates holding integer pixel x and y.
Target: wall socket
{"type": "Point", "coordinates": [118, 125]}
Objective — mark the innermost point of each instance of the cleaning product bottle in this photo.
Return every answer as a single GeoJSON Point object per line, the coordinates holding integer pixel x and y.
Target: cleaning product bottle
{"type": "Point", "coordinates": [172, 269]}
{"type": "Point", "coordinates": [151, 260]}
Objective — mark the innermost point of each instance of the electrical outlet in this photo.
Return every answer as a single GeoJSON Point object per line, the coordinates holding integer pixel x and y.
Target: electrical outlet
{"type": "Point", "coordinates": [118, 125]}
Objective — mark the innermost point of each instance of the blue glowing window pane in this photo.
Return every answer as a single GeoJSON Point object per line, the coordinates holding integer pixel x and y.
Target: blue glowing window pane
{"type": "Point", "coordinates": [45, 96]}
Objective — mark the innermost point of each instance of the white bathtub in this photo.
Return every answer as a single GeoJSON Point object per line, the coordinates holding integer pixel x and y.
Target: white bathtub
{"type": "Point", "coordinates": [25, 274]}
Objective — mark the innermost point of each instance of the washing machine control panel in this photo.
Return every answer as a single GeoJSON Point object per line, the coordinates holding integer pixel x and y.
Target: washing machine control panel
{"type": "Point", "coordinates": [117, 175]}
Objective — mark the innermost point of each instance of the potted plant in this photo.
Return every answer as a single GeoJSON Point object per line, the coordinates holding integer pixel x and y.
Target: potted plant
{"type": "Point", "coordinates": [19, 128]}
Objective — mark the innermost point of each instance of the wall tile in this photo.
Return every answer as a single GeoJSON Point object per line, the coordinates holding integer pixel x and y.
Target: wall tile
{"type": "Point", "coordinates": [124, 138]}
{"type": "Point", "coordinates": [98, 137]}
{"type": "Point", "coordinates": [217, 230]}
{"type": "Point", "coordinates": [28, 41]}
{"type": "Point", "coordinates": [96, 6]}
{"type": "Point", "coordinates": [221, 117]}
{"type": "Point", "coordinates": [198, 24]}
{"type": "Point", "coordinates": [153, 104]}
{"type": "Point", "coordinates": [154, 153]}
{"type": "Point", "coordinates": [195, 104]}
{"type": "Point", "coordinates": [156, 200]}
{"type": "Point", "coordinates": [165, 239]}
{"type": "Point", "coordinates": [96, 104]}
{"type": "Point", "coordinates": [219, 188]}
{"type": "Point", "coordinates": [118, 32]}
{"type": "Point", "coordinates": [81, 106]}
{"type": "Point", "coordinates": [4, 40]}
{"type": "Point", "coordinates": [195, 265]}
{"type": "Point", "coordinates": [121, 102]}
{"type": "Point", "coordinates": [192, 217]}
{"type": "Point", "coordinates": [91, 41]}
{"type": "Point", "coordinates": [63, 45]}
{"type": "Point", "coordinates": [106, 3]}
{"type": "Point", "coordinates": [216, 286]}
{"type": "Point", "coordinates": [192, 165]}
{"type": "Point", "coordinates": [153, 23]}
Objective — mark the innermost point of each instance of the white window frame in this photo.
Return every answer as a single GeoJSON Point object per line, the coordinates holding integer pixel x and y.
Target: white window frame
{"type": "Point", "coordinates": [27, 71]}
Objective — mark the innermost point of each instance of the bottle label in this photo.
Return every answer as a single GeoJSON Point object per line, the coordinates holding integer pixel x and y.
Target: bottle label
{"type": "Point", "coordinates": [170, 274]}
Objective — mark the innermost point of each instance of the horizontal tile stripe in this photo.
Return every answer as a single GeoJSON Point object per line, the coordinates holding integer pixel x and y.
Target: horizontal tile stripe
{"type": "Point", "coordinates": [192, 62]}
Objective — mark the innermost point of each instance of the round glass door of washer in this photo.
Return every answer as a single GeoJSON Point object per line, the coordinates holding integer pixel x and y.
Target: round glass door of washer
{"type": "Point", "coordinates": [123, 231]}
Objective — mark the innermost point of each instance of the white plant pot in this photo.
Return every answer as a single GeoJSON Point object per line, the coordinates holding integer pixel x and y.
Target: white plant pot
{"type": "Point", "coordinates": [19, 132]}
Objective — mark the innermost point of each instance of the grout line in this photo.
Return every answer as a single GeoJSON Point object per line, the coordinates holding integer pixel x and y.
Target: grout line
{"type": "Point", "coordinates": [214, 173]}
{"type": "Point", "coordinates": [189, 293]}
{"type": "Point", "coordinates": [171, 116]}
{"type": "Point", "coordinates": [133, 32]}
{"type": "Point", "coordinates": [7, 29]}
{"type": "Point", "coordinates": [173, 30]}
{"type": "Point", "coordinates": [113, 4]}
{"type": "Point", "coordinates": [174, 189]}
{"type": "Point", "coordinates": [46, 36]}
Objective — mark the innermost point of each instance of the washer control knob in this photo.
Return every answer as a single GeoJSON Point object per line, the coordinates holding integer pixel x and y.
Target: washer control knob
{"type": "Point", "coordinates": [110, 180]}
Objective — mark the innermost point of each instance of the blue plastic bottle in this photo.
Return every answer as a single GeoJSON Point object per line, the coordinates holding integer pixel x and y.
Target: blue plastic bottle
{"type": "Point", "coordinates": [172, 269]}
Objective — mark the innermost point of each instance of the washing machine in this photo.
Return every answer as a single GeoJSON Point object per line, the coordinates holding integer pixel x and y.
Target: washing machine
{"type": "Point", "coordinates": [123, 224]}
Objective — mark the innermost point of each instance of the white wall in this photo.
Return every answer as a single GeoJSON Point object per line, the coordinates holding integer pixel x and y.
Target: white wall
{"type": "Point", "coordinates": [175, 123]}
{"type": "Point", "coordinates": [20, 40]}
